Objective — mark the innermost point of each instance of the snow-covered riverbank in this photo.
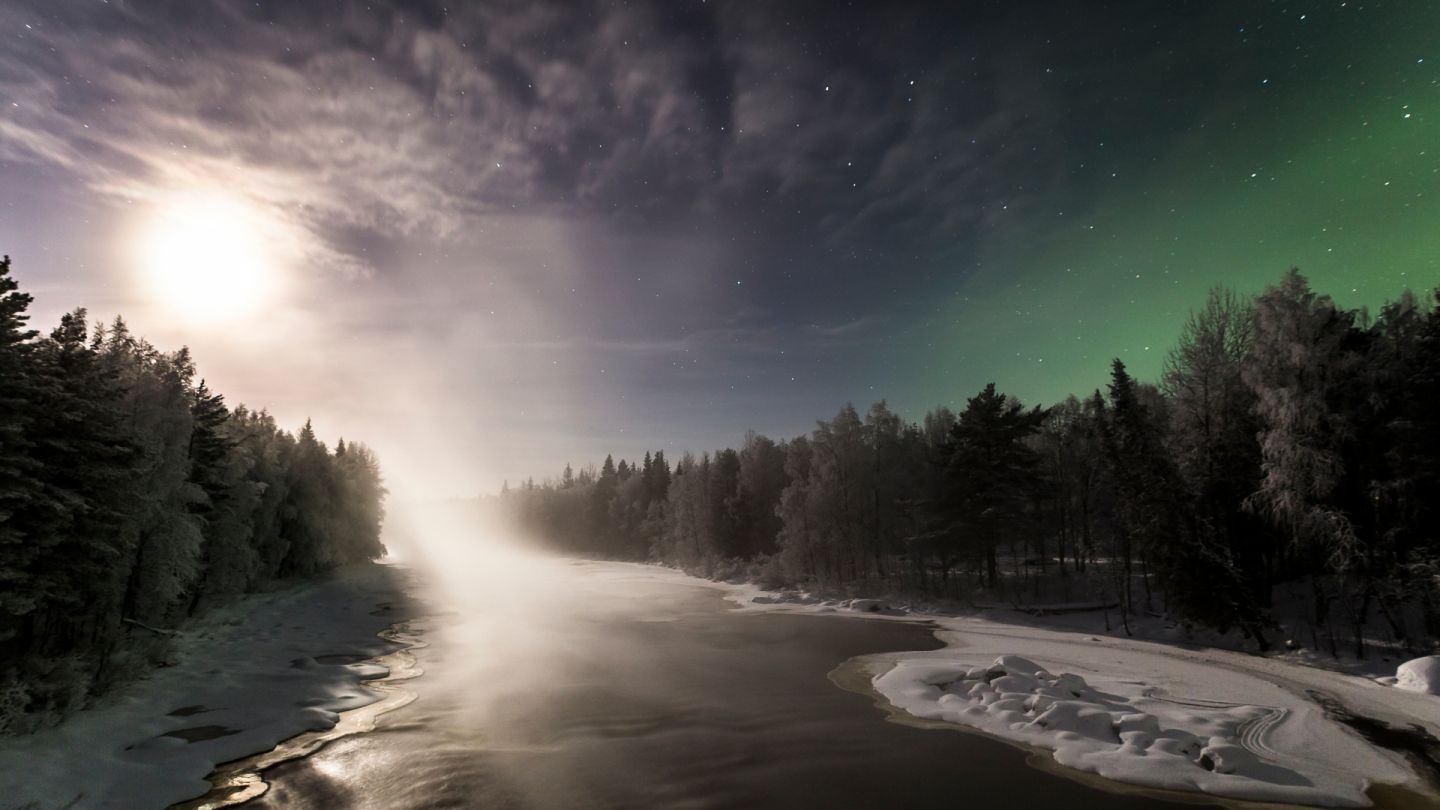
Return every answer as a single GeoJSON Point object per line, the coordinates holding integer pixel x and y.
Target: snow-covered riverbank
{"type": "Point", "coordinates": [247, 676]}
{"type": "Point", "coordinates": [1144, 713]}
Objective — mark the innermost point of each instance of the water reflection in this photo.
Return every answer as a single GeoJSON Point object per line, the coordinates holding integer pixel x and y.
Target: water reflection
{"type": "Point", "coordinates": [555, 683]}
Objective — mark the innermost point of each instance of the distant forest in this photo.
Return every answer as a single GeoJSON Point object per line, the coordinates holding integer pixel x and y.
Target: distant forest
{"type": "Point", "coordinates": [1289, 445]}
{"type": "Point", "coordinates": [132, 497]}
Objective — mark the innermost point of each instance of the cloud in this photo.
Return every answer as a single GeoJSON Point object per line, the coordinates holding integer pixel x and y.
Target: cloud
{"type": "Point", "coordinates": [415, 120]}
{"type": "Point", "coordinates": [560, 213]}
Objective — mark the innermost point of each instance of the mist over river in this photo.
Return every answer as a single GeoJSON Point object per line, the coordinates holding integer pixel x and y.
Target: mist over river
{"type": "Point", "coordinates": [556, 684]}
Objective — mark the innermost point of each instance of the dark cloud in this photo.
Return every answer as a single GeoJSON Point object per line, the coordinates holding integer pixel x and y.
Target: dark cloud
{"type": "Point", "coordinates": [416, 118]}
{"type": "Point", "coordinates": [703, 199]}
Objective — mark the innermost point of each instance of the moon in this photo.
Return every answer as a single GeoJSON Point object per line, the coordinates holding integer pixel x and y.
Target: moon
{"type": "Point", "coordinates": [204, 257]}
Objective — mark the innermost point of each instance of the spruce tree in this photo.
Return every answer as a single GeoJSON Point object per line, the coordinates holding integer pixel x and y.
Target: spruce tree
{"type": "Point", "coordinates": [991, 474]}
{"type": "Point", "coordinates": [18, 487]}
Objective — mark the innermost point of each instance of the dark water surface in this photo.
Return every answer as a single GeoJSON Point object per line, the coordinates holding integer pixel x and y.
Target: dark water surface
{"type": "Point", "coordinates": [621, 691]}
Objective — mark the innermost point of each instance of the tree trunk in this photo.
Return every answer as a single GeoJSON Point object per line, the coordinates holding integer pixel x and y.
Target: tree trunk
{"type": "Point", "coordinates": [1361, 616]}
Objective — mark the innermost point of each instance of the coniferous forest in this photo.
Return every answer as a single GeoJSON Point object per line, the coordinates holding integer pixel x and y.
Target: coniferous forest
{"type": "Point", "coordinates": [132, 497]}
{"type": "Point", "coordinates": [1286, 465]}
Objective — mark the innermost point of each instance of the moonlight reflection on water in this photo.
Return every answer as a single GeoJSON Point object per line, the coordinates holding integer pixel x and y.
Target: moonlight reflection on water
{"type": "Point", "coordinates": [578, 683]}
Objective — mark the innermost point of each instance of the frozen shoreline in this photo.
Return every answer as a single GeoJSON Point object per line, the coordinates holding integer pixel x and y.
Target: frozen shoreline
{"type": "Point", "coordinates": [270, 668]}
{"type": "Point", "coordinates": [247, 677]}
{"type": "Point", "coordinates": [1143, 713]}
{"type": "Point", "coordinates": [242, 780]}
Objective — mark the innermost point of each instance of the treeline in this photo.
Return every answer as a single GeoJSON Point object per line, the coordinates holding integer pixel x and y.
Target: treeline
{"type": "Point", "coordinates": [132, 497]}
{"type": "Point", "coordinates": [1288, 443]}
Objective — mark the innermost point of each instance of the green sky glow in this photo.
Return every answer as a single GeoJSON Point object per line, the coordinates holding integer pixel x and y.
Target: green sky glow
{"type": "Point", "coordinates": [1341, 180]}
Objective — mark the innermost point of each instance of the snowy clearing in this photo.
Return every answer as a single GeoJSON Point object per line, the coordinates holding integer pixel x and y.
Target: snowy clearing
{"type": "Point", "coordinates": [247, 676]}
{"type": "Point", "coordinates": [1143, 713]}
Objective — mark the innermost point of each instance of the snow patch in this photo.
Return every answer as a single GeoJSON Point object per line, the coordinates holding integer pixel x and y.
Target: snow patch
{"type": "Point", "coordinates": [1419, 675]}
{"type": "Point", "coordinates": [1118, 729]}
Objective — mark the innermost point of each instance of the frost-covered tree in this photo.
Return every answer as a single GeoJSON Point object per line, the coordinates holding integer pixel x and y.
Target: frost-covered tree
{"type": "Point", "coordinates": [762, 480]}
{"type": "Point", "coordinates": [1287, 441]}
{"type": "Point", "coordinates": [689, 539]}
{"type": "Point", "coordinates": [1298, 369]}
{"type": "Point", "coordinates": [85, 455]}
{"type": "Point", "coordinates": [1213, 432]}
{"type": "Point", "coordinates": [1297, 363]}
{"type": "Point", "coordinates": [130, 497]}
{"type": "Point", "coordinates": [163, 539]}
{"type": "Point", "coordinates": [1071, 457]}
{"type": "Point", "coordinates": [801, 550]}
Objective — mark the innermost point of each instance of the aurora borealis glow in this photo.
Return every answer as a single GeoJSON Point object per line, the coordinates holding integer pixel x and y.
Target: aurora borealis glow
{"type": "Point", "coordinates": [1323, 155]}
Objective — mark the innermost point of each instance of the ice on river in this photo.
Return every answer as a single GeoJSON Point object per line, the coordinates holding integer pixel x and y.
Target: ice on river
{"type": "Point", "coordinates": [247, 676]}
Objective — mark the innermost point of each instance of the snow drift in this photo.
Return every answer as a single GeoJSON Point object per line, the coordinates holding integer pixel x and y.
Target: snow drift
{"type": "Point", "coordinates": [1419, 675]}
{"type": "Point", "coordinates": [1124, 731]}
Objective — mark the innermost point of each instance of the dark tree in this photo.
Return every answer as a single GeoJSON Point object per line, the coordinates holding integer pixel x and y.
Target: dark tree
{"type": "Point", "coordinates": [991, 475]}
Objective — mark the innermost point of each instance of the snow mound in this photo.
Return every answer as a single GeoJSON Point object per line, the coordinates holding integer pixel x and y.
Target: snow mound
{"type": "Point", "coordinates": [1419, 675]}
{"type": "Point", "coordinates": [1138, 738]}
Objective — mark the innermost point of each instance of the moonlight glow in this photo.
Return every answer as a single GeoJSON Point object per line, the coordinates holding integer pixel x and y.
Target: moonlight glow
{"type": "Point", "coordinates": [205, 257]}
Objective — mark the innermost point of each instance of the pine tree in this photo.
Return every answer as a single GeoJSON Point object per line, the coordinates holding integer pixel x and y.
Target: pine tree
{"type": "Point", "coordinates": [1198, 577]}
{"type": "Point", "coordinates": [885, 436]}
{"type": "Point", "coordinates": [210, 447]}
{"type": "Point", "coordinates": [164, 534]}
{"type": "Point", "coordinates": [762, 480]}
{"type": "Point", "coordinates": [361, 504]}
{"type": "Point", "coordinates": [86, 459]}
{"type": "Point", "coordinates": [598, 512]}
{"type": "Point", "coordinates": [18, 488]}
{"type": "Point", "coordinates": [128, 494]}
{"type": "Point", "coordinates": [990, 474]}
{"type": "Point", "coordinates": [227, 561]}
{"type": "Point", "coordinates": [725, 507]}
{"type": "Point", "coordinates": [799, 541]}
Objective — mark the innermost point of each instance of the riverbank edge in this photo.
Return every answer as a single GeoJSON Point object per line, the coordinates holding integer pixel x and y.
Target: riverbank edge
{"type": "Point", "coordinates": [139, 746]}
{"type": "Point", "coordinates": [242, 780]}
{"type": "Point", "coordinates": [1421, 789]}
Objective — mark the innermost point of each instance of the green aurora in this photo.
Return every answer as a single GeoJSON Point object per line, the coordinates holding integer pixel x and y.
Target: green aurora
{"type": "Point", "coordinates": [1340, 178]}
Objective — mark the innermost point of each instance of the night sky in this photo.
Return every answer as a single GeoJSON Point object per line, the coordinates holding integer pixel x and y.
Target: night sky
{"type": "Point", "coordinates": [497, 237]}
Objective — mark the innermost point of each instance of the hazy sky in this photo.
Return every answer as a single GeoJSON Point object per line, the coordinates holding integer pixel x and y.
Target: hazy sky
{"type": "Point", "coordinates": [488, 238]}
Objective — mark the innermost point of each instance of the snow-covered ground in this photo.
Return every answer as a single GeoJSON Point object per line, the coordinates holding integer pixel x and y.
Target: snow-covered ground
{"type": "Point", "coordinates": [261, 670]}
{"type": "Point", "coordinates": [1150, 714]}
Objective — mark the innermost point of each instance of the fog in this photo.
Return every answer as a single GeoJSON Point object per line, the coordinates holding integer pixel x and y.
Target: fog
{"type": "Point", "coordinates": [483, 590]}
